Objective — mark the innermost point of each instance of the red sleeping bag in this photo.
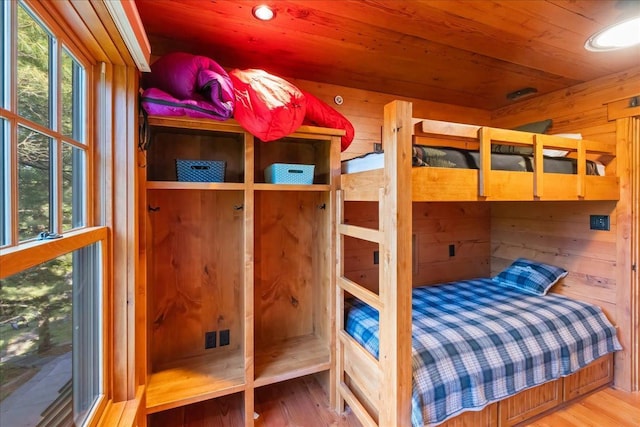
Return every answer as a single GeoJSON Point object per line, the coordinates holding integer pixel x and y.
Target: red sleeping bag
{"type": "Point", "coordinates": [265, 105]}
{"type": "Point", "coordinates": [321, 114]}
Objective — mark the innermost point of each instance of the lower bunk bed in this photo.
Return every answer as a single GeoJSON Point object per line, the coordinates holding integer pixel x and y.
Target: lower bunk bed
{"type": "Point", "coordinates": [478, 342]}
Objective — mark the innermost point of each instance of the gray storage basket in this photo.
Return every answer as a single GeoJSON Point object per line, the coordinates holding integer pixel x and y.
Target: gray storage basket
{"type": "Point", "coordinates": [200, 170]}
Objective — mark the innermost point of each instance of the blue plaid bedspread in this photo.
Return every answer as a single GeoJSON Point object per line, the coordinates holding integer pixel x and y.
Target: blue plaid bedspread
{"type": "Point", "coordinates": [475, 343]}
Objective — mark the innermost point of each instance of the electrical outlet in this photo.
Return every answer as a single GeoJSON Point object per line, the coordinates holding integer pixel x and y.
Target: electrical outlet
{"type": "Point", "coordinates": [377, 147]}
{"type": "Point", "coordinates": [376, 257]}
{"type": "Point", "coordinates": [224, 337]}
{"type": "Point", "coordinates": [210, 339]}
{"type": "Point", "coordinates": [599, 222]}
{"type": "Point", "coordinates": [452, 250]}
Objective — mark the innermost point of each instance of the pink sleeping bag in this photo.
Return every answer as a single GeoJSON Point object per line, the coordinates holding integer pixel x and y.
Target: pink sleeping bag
{"type": "Point", "coordinates": [184, 83]}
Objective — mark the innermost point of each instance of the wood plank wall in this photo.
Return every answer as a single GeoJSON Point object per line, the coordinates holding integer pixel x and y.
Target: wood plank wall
{"type": "Point", "coordinates": [436, 227]}
{"type": "Point", "coordinates": [191, 275]}
{"type": "Point", "coordinates": [581, 108]}
{"type": "Point", "coordinates": [451, 241]}
{"type": "Point", "coordinates": [558, 233]}
{"type": "Point", "coordinates": [285, 282]}
{"type": "Point", "coordinates": [598, 262]}
{"type": "Point", "coordinates": [364, 110]}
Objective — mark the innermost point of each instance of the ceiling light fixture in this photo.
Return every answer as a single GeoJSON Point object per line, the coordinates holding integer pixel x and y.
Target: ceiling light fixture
{"type": "Point", "coordinates": [263, 12]}
{"type": "Point", "coordinates": [617, 36]}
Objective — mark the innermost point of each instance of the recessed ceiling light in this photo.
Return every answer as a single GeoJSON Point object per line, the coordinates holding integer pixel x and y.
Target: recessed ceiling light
{"type": "Point", "coordinates": [617, 36]}
{"type": "Point", "coordinates": [263, 12]}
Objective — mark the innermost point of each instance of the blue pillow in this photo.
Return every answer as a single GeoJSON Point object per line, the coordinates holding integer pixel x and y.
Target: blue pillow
{"type": "Point", "coordinates": [532, 277]}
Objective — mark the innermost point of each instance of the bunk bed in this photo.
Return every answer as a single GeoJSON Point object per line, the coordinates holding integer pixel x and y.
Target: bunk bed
{"type": "Point", "coordinates": [375, 363]}
{"type": "Point", "coordinates": [486, 183]}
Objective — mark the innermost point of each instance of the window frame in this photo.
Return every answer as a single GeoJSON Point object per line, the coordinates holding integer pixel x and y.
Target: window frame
{"type": "Point", "coordinates": [17, 256]}
{"type": "Point", "coordinates": [27, 255]}
{"type": "Point", "coordinates": [62, 43]}
{"type": "Point", "coordinates": [110, 34]}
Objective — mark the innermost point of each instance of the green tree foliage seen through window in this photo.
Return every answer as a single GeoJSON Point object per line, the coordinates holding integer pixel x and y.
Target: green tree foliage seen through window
{"type": "Point", "coordinates": [35, 305]}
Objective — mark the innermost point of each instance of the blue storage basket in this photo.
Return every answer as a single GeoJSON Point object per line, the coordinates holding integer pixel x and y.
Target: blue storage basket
{"type": "Point", "coordinates": [284, 173]}
{"type": "Point", "coordinates": [200, 170]}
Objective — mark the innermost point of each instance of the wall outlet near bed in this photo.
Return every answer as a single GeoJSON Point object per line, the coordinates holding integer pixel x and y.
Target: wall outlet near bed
{"type": "Point", "coordinates": [210, 340]}
{"type": "Point", "coordinates": [377, 147]}
{"type": "Point", "coordinates": [599, 222]}
{"type": "Point", "coordinates": [224, 337]}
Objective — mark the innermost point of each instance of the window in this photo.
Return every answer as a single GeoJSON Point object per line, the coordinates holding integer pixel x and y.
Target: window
{"type": "Point", "coordinates": [51, 142]}
{"type": "Point", "coordinates": [51, 288]}
{"type": "Point", "coordinates": [48, 338]}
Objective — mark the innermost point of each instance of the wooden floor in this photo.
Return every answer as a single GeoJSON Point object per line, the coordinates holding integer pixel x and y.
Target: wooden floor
{"type": "Point", "coordinates": [298, 403]}
{"type": "Point", "coordinates": [303, 403]}
{"type": "Point", "coordinates": [608, 407]}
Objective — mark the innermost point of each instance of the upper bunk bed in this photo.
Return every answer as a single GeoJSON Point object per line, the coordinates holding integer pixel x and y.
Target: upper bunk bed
{"type": "Point", "coordinates": [587, 171]}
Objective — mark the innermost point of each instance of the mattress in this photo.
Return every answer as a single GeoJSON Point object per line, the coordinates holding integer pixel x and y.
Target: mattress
{"type": "Point", "coordinates": [465, 159]}
{"type": "Point", "coordinates": [475, 342]}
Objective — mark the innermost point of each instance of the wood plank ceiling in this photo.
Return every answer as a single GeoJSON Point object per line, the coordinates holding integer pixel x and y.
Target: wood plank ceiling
{"type": "Point", "coordinates": [462, 52]}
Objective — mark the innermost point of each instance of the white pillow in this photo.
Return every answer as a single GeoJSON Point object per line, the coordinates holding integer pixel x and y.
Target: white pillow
{"type": "Point", "coordinates": [561, 153]}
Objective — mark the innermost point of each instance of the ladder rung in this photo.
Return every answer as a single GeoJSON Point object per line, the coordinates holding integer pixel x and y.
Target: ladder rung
{"type": "Point", "coordinates": [360, 292]}
{"type": "Point", "coordinates": [357, 407]}
{"type": "Point", "coordinates": [365, 358]}
{"type": "Point", "coordinates": [358, 232]}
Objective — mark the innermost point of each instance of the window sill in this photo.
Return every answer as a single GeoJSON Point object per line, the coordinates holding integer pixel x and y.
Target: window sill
{"type": "Point", "coordinates": [126, 413]}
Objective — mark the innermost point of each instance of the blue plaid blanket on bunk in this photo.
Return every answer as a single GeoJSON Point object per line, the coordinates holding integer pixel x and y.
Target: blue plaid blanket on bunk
{"type": "Point", "coordinates": [475, 343]}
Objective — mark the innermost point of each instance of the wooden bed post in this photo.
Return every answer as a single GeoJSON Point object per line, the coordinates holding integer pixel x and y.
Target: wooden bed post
{"type": "Point", "coordinates": [396, 262]}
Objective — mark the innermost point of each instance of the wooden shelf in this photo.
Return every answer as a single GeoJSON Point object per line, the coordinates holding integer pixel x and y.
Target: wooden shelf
{"type": "Point", "coordinates": [175, 185]}
{"type": "Point", "coordinates": [291, 187]}
{"type": "Point", "coordinates": [292, 358]}
{"type": "Point", "coordinates": [194, 380]}
{"type": "Point", "coordinates": [211, 266]}
{"type": "Point", "coordinates": [231, 125]}
{"type": "Point", "coordinates": [188, 123]}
